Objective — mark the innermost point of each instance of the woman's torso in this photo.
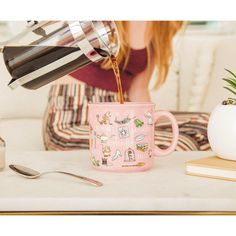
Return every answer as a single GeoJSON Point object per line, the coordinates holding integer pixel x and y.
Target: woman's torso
{"type": "Point", "coordinates": [95, 76]}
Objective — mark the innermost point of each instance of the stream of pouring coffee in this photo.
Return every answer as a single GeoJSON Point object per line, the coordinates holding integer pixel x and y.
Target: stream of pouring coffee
{"type": "Point", "coordinates": [116, 71]}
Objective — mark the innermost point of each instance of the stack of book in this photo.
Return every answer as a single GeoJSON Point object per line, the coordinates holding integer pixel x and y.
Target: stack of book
{"type": "Point", "coordinates": [212, 167]}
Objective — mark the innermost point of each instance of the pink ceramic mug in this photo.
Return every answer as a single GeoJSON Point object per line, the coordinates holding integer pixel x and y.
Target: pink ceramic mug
{"type": "Point", "coordinates": [122, 135]}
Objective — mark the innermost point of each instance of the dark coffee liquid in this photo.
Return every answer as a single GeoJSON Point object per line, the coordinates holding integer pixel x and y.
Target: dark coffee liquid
{"type": "Point", "coordinates": [23, 60]}
{"type": "Point", "coordinates": [116, 71]}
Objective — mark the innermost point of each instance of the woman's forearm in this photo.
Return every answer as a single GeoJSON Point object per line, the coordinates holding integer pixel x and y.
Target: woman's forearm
{"type": "Point", "coordinates": [138, 91]}
{"type": "Point", "coordinates": [139, 95]}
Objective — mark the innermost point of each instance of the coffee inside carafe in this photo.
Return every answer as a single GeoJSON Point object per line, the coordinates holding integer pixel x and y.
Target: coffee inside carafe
{"type": "Point", "coordinates": [43, 63]}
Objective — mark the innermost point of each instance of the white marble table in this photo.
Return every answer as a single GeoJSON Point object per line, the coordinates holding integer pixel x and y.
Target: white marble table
{"type": "Point", "coordinates": [164, 188]}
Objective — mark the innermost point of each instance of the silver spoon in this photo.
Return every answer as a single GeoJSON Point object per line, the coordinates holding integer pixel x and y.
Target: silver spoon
{"type": "Point", "coordinates": [33, 174]}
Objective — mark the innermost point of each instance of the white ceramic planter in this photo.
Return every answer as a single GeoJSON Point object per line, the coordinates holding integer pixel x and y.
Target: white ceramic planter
{"type": "Point", "coordinates": [222, 131]}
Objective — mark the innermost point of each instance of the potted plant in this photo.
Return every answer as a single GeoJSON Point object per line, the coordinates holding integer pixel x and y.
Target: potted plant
{"type": "Point", "coordinates": [222, 123]}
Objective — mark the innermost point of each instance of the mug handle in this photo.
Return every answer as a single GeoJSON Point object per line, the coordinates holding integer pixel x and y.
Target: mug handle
{"type": "Point", "coordinates": [162, 152]}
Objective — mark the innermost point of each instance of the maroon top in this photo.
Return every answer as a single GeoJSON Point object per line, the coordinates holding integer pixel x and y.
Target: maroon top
{"type": "Point", "coordinates": [95, 76]}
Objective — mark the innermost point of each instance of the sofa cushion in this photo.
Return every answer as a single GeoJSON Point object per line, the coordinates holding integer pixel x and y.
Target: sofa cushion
{"type": "Point", "coordinates": [22, 134]}
{"type": "Point", "coordinates": [224, 58]}
{"type": "Point", "coordinates": [21, 102]}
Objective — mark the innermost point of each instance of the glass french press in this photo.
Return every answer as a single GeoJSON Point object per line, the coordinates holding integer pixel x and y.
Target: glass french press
{"type": "Point", "coordinates": [49, 50]}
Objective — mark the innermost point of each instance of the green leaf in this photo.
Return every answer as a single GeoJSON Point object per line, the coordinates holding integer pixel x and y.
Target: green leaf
{"type": "Point", "coordinates": [231, 73]}
{"type": "Point", "coordinates": [234, 80]}
{"type": "Point", "coordinates": [232, 87]}
{"type": "Point", "coordinates": [232, 83]}
{"type": "Point", "coordinates": [230, 90]}
{"type": "Point", "coordinates": [232, 99]}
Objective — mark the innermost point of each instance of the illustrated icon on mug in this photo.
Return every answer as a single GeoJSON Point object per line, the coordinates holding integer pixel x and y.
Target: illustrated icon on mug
{"type": "Point", "coordinates": [122, 136]}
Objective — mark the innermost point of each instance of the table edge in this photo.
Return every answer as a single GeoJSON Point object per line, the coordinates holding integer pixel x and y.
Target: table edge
{"type": "Point", "coordinates": [117, 213]}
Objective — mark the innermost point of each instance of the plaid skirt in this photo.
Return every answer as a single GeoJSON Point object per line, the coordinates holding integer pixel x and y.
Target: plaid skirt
{"type": "Point", "coordinates": [65, 125]}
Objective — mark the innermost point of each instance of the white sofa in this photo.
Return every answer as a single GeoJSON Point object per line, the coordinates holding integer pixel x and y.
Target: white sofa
{"type": "Point", "coordinates": [194, 84]}
{"type": "Point", "coordinates": [195, 79]}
